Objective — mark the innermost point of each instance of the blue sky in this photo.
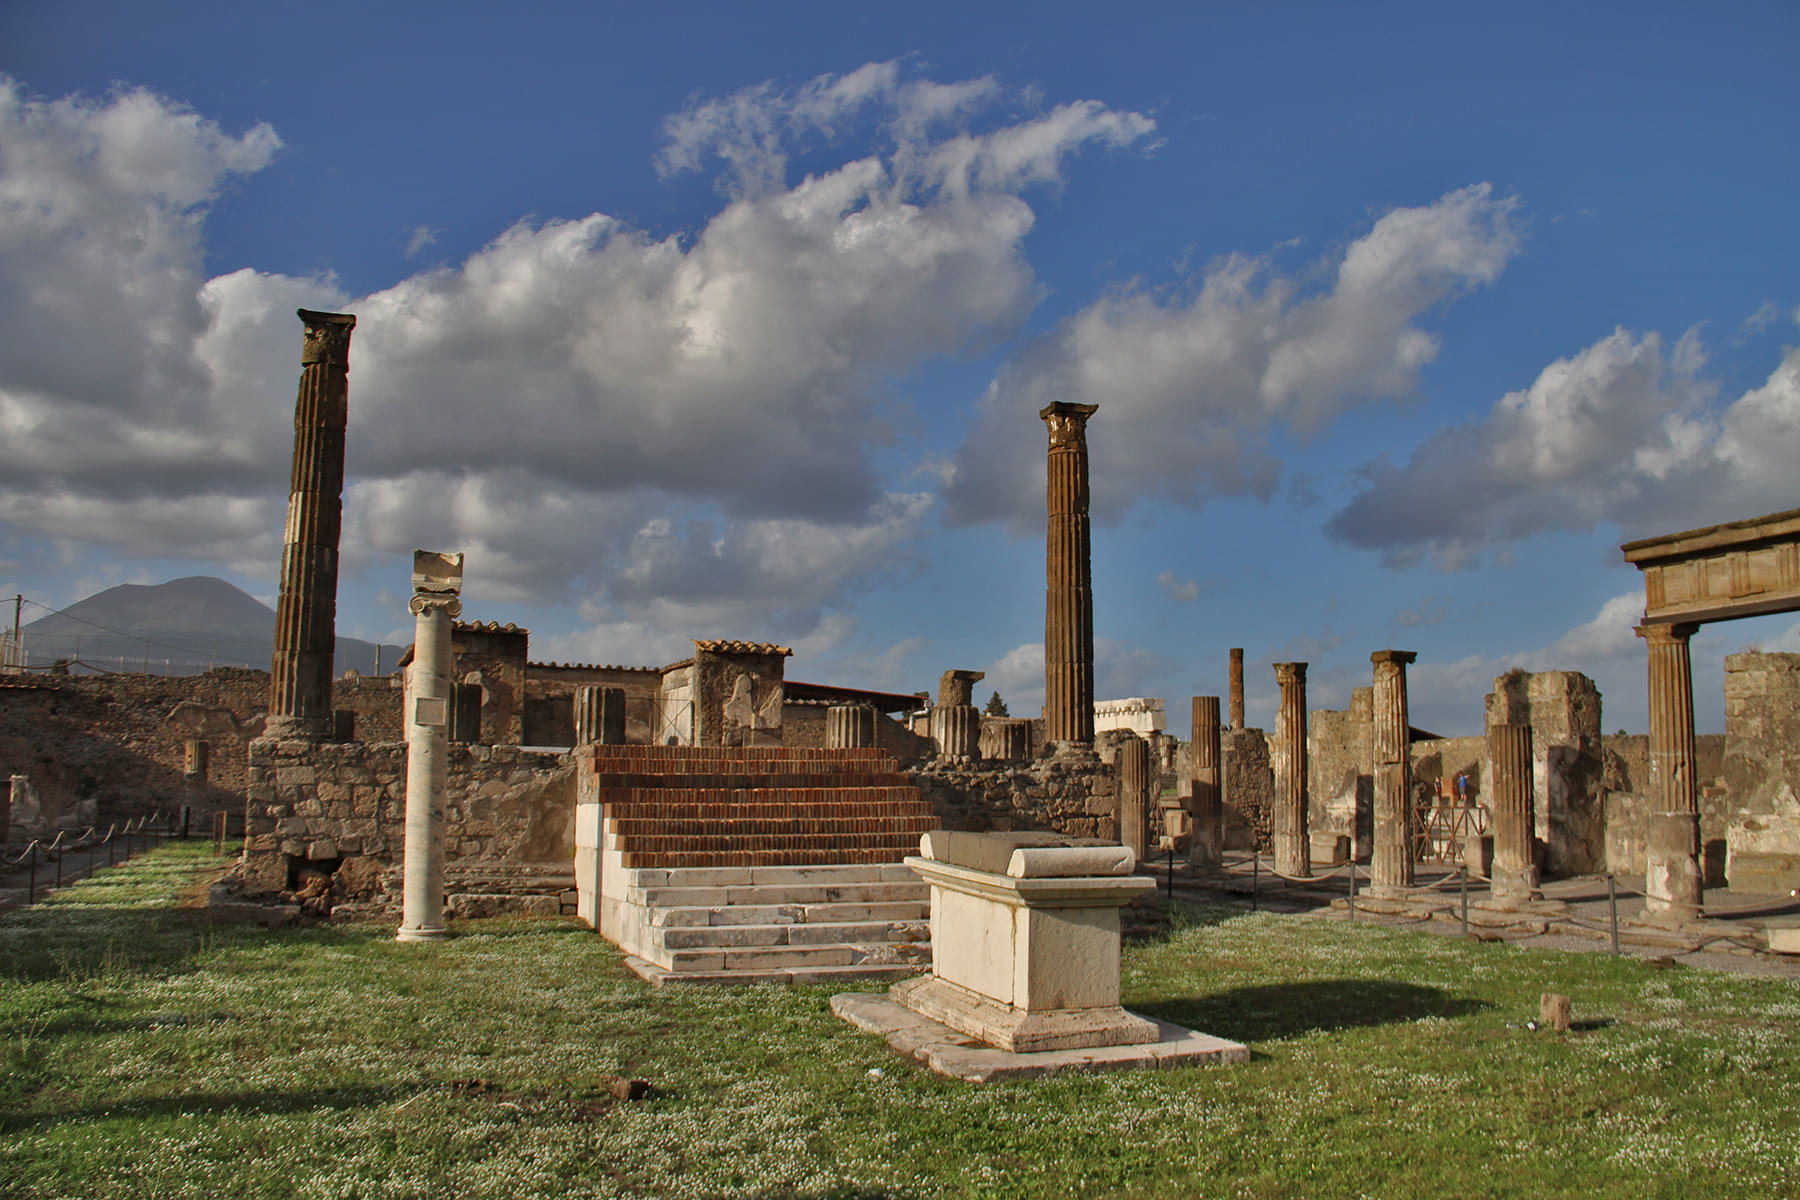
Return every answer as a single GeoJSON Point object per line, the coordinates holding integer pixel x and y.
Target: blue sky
{"type": "Point", "coordinates": [733, 321]}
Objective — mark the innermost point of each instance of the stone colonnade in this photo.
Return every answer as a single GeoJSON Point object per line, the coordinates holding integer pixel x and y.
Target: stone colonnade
{"type": "Point", "coordinates": [1293, 850]}
{"type": "Point", "coordinates": [1069, 593]}
{"type": "Point", "coordinates": [1672, 878]}
{"type": "Point", "coordinates": [1509, 786]}
{"type": "Point", "coordinates": [1391, 860]}
{"type": "Point", "coordinates": [306, 614]}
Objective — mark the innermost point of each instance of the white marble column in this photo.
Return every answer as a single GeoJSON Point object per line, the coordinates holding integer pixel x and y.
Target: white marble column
{"type": "Point", "coordinates": [437, 578]}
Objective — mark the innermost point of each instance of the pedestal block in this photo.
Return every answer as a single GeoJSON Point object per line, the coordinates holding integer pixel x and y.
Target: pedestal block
{"type": "Point", "coordinates": [1025, 940]}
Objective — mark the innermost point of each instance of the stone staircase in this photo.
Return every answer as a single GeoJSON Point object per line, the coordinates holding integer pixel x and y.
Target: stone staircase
{"type": "Point", "coordinates": [752, 865]}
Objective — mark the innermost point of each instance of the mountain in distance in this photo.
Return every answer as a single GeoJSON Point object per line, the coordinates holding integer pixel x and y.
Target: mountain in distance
{"type": "Point", "coordinates": [182, 627]}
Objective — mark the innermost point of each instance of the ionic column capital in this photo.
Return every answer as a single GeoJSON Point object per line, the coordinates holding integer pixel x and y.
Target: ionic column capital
{"type": "Point", "coordinates": [423, 602]}
{"type": "Point", "coordinates": [1290, 672]}
{"type": "Point", "coordinates": [1393, 657]}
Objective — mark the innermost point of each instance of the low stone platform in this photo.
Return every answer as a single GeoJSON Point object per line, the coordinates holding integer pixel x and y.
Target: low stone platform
{"type": "Point", "coordinates": [960, 1056]}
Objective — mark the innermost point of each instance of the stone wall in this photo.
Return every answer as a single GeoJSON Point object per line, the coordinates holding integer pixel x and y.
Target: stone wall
{"type": "Point", "coordinates": [1339, 770]}
{"type": "Point", "coordinates": [1081, 799]}
{"type": "Point", "coordinates": [1758, 814]}
{"type": "Point", "coordinates": [550, 700]}
{"type": "Point", "coordinates": [1249, 789]}
{"type": "Point", "coordinates": [1563, 710]}
{"type": "Point", "coordinates": [341, 809]}
{"type": "Point", "coordinates": [107, 747]}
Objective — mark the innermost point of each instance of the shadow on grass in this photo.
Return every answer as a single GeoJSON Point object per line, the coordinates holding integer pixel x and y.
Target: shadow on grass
{"type": "Point", "coordinates": [1279, 1010]}
{"type": "Point", "coordinates": [209, 1103]}
{"type": "Point", "coordinates": [93, 940]}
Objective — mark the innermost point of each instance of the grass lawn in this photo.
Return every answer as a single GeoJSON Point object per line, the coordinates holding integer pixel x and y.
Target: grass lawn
{"type": "Point", "coordinates": [150, 1054]}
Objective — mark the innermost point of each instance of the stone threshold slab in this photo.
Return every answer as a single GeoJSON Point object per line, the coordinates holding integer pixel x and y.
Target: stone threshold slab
{"type": "Point", "coordinates": [958, 1056]}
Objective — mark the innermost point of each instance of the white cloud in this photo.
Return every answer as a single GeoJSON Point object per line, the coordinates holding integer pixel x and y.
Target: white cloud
{"type": "Point", "coordinates": [681, 429]}
{"type": "Point", "coordinates": [1185, 590]}
{"type": "Point", "coordinates": [1018, 675]}
{"type": "Point", "coordinates": [1619, 432]}
{"type": "Point", "coordinates": [1189, 391]}
{"type": "Point", "coordinates": [420, 237]}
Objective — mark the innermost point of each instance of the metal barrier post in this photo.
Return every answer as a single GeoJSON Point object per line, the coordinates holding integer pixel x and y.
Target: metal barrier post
{"type": "Point", "coordinates": [1169, 889]}
{"type": "Point", "coordinates": [1353, 891]}
{"type": "Point", "coordinates": [1255, 873]}
{"type": "Point", "coordinates": [31, 890]}
{"type": "Point", "coordinates": [1612, 905]}
{"type": "Point", "coordinates": [187, 811]}
{"type": "Point", "coordinates": [59, 865]}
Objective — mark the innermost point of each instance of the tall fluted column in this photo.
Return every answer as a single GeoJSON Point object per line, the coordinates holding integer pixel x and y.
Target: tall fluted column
{"type": "Point", "coordinates": [1237, 688]}
{"type": "Point", "coordinates": [306, 614]}
{"type": "Point", "coordinates": [1391, 860]}
{"type": "Point", "coordinates": [1509, 786]}
{"type": "Point", "coordinates": [436, 580]}
{"type": "Point", "coordinates": [1293, 852]}
{"type": "Point", "coordinates": [1135, 781]}
{"type": "Point", "coordinates": [1069, 593]}
{"type": "Point", "coordinates": [1672, 877]}
{"type": "Point", "coordinates": [1208, 843]}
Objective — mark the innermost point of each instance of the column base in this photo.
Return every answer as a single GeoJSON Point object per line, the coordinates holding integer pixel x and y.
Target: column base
{"type": "Point", "coordinates": [421, 935]}
{"type": "Point", "coordinates": [1672, 879]}
{"type": "Point", "coordinates": [1384, 891]}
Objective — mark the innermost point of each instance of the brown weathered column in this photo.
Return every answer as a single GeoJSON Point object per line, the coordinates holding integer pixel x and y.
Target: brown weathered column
{"type": "Point", "coordinates": [1005, 739]}
{"type": "Point", "coordinates": [1672, 877]}
{"type": "Point", "coordinates": [1069, 592]}
{"type": "Point", "coordinates": [1509, 788]}
{"type": "Point", "coordinates": [1207, 846]}
{"type": "Point", "coordinates": [848, 726]}
{"type": "Point", "coordinates": [1237, 688]}
{"type": "Point", "coordinates": [1135, 782]}
{"type": "Point", "coordinates": [1391, 860]}
{"type": "Point", "coordinates": [587, 716]}
{"type": "Point", "coordinates": [306, 615]}
{"type": "Point", "coordinates": [1293, 852]}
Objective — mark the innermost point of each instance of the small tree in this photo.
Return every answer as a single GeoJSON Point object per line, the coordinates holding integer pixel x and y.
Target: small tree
{"type": "Point", "coordinates": [996, 707]}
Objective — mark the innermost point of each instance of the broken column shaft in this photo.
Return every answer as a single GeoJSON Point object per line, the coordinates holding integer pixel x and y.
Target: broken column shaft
{"type": "Point", "coordinates": [1391, 861]}
{"type": "Point", "coordinates": [1509, 787]}
{"type": "Point", "coordinates": [1069, 593]}
{"type": "Point", "coordinates": [1207, 846]}
{"type": "Point", "coordinates": [1293, 854]}
{"type": "Point", "coordinates": [306, 614]}
{"type": "Point", "coordinates": [1672, 879]}
{"type": "Point", "coordinates": [1237, 688]}
{"type": "Point", "coordinates": [1135, 783]}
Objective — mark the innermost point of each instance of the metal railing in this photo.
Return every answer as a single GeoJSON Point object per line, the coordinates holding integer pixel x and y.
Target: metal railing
{"type": "Point", "coordinates": [131, 836]}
